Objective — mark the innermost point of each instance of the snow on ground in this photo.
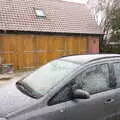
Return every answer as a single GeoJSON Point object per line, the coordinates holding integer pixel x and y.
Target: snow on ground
{"type": "Point", "coordinates": [8, 77]}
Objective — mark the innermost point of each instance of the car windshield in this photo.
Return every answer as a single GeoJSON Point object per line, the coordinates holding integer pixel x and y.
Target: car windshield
{"type": "Point", "coordinates": [49, 75]}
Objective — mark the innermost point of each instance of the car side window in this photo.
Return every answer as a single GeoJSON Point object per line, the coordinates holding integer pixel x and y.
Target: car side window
{"type": "Point", "coordinates": [95, 79]}
{"type": "Point", "coordinates": [65, 94]}
{"type": "Point", "coordinates": [116, 67]}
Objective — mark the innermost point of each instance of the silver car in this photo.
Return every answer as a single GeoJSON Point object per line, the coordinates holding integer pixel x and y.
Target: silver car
{"type": "Point", "coordinates": [80, 87]}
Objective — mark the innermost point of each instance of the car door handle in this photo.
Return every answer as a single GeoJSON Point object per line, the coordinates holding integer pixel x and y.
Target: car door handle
{"type": "Point", "coordinates": [61, 111]}
{"type": "Point", "coordinates": [110, 100]}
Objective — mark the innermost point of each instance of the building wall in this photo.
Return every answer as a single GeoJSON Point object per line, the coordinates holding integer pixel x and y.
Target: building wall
{"type": "Point", "coordinates": [93, 46]}
{"type": "Point", "coordinates": [31, 50]}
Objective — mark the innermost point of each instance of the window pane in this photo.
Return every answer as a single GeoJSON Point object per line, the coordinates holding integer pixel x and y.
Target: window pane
{"type": "Point", "coordinates": [117, 73]}
{"type": "Point", "coordinates": [62, 96]}
{"type": "Point", "coordinates": [40, 13]}
{"type": "Point", "coordinates": [95, 79]}
{"type": "Point", "coordinates": [49, 75]}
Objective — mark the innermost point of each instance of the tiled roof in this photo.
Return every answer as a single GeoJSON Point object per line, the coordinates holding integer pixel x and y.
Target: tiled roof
{"type": "Point", "coordinates": [61, 17]}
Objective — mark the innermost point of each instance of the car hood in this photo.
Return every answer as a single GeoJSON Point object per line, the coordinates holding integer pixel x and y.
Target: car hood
{"type": "Point", "coordinates": [11, 99]}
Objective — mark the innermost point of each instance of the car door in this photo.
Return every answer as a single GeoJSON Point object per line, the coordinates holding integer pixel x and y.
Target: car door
{"type": "Point", "coordinates": [100, 105]}
{"type": "Point", "coordinates": [116, 68]}
{"type": "Point", "coordinates": [75, 109]}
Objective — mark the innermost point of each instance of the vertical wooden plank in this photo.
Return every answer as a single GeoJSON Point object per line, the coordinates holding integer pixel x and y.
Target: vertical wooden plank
{"type": "Point", "coordinates": [41, 48]}
{"type": "Point", "coordinates": [1, 49]}
{"type": "Point", "coordinates": [60, 47]}
{"type": "Point", "coordinates": [19, 53]}
{"type": "Point", "coordinates": [56, 47]}
{"type": "Point", "coordinates": [12, 49]}
{"type": "Point", "coordinates": [83, 45]}
{"type": "Point", "coordinates": [28, 51]}
{"type": "Point", "coordinates": [51, 45]}
{"type": "Point", "coordinates": [6, 54]}
{"type": "Point", "coordinates": [71, 45]}
{"type": "Point", "coordinates": [7, 51]}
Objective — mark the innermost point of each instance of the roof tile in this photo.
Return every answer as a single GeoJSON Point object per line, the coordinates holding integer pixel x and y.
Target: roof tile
{"type": "Point", "coordinates": [62, 16]}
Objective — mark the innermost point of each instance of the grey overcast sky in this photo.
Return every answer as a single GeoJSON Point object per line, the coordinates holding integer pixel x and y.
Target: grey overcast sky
{"type": "Point", "coordinates": [78, 1]}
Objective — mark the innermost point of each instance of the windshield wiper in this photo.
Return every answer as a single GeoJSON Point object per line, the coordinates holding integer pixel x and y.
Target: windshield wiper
{"type": "Point", "coordinates": [26, 90]}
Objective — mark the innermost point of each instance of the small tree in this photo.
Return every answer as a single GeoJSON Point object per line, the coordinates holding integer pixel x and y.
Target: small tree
{"type": "Point", "coordinates": [111, 24]}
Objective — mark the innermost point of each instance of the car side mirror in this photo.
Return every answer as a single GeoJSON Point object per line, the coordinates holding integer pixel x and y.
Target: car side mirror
{"type": "Point", "coordinates": [81, 94]}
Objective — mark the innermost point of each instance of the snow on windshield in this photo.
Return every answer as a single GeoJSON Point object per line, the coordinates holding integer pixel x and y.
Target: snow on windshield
{"type": "Point", "coordinates": [49, 75]}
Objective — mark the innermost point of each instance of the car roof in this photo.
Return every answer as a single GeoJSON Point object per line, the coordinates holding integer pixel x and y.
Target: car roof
{"type": "Point", "coordinates": [81, 59]}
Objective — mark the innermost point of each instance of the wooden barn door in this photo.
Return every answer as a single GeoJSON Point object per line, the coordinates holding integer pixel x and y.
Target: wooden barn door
{"type": "Point", "coordinates": [17, 50]}
{"type": "Point", "coordinates": [75, 45]}
{"type": "Point", "coordinates": [83, 45]}
{"type": "Point", "coordinates": [8, 50]}
{"type": "Point", "coordinates": [48, 48]}
{"type": "Point", "coordinates": [30, 51]}
{"type": "Point", "coordinates": [56, 47]}
{"type": "Point", "coordinates": [41, 47]}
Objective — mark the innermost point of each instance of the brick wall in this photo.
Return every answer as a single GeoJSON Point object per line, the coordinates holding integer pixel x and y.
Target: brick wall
{"type": "Point", "coordinates": [93, 45]}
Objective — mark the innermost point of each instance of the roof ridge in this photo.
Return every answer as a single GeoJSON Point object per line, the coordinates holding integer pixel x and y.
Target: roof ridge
{"type": "Point", "coordinates": [72, 2]}
{"type": "Point", "coordinates": [64, 1]}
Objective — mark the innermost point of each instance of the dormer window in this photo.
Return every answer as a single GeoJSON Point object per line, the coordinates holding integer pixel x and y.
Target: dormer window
{"type": "Point", "coordinates": [40, 13]}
